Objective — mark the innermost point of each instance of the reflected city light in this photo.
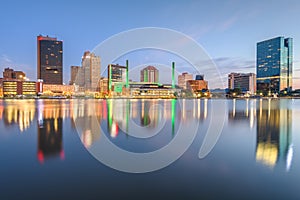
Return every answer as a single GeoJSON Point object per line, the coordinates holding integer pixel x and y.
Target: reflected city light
{"type": "Point", "coordinates": [205, 108]}
{"type": "Point", "coordinates": [50, 136]}
{"type": "Point", "coordinates": [87, 138]}
{"type": "Point", "coordinates": [243, 110]}
{"type": "Point", "coordinates": [289, 158]}
{"type": "Point", "coordinates": [274, 133]}
{"type": "Point", "coordinates": [233, 109]}
{"type": "Point", "coordinates": [115, 116]}
{"type": "Point", "coordinates": [173, 115]}
{"type": "Point", "coordinates": [199, 108]}
{"type": "Point", "coordinates": [19, 112]}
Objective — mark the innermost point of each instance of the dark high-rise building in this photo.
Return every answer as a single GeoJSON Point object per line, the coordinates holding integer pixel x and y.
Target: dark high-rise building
{"type": "Point", "coordinates": [274, 65]}
{"type": "Point", "coordinates": [49, 60]}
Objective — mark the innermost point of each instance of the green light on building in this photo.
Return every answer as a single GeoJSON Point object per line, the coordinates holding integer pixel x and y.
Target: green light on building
{"type": "Point", "coordinates": [173, 75]}
{"type": "Point", "coordinates": [118, 87]}
{"type": "Point", "coordinates": [173, 115]}
{"type": "Point", "coordinates": [127, 80]}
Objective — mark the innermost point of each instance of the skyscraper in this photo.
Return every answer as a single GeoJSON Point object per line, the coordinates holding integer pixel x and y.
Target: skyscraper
{"type": "Point", "coordinates": [91, 67]}
{"type": "Point", "coordinates": [149, 74]}
{"type": "Point", "coordinates": [49, 60]}
{"type": "Point", "coordinates": [274, 65]}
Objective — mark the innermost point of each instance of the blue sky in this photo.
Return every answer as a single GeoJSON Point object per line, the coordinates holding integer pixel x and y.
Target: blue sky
{"type": "Point", "coordinates": [228, 30]}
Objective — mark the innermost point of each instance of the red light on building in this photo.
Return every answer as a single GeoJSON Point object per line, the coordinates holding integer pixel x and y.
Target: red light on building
{"type": "Point", "coordinates": [39, 86]}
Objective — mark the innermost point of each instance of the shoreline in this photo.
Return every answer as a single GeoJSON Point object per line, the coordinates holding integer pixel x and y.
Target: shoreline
{"type": "Point", "coordinates": [188, 98]}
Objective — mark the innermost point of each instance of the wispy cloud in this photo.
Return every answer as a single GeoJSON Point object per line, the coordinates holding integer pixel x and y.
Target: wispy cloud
{"type": "Point", "coordinates": [7, 61]}
{"type": "Point", "coordinates": [228, 23]}
{"type": "Point", "coordinates": [234, 64]}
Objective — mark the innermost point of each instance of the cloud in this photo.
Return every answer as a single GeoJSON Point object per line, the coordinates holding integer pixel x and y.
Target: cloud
{"type": "Point", "coordinates": [228, 23]}
{"type": "Point", "coordinates": [7, 61]}
{"type": "Point", "coordinates": [234, 64]}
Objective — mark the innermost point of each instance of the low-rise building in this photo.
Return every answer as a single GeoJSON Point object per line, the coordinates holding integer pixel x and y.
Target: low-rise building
{"type": "Point", "coordinates": [245, 82]}
{"type": "Point", "coordinates": [152, 90]}
{"type": "Point", "coordinates": [14, 88]}
{"type": "Point", "coordinates": [197, 85]}
{"type": "Point", "coordinates": [103, 85]}
{"type": "Point", "coordinates": [10, 74]}
{"type": "Point", "coordinates": [199, 88]}
{"type": "Point", "coordinates": [1, 91]}
{"type": "Point", "coordinates": [58, 90]}
{"type": "Point", "coordinates": [183, 78]}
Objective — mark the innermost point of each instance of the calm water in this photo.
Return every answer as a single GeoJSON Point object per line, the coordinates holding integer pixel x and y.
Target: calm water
{"type": "Point", "coordinates": [45, 149]}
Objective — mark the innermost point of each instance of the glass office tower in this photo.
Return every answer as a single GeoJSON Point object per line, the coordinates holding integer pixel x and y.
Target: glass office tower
{"type": "Point", "coordinates": [274, 65]}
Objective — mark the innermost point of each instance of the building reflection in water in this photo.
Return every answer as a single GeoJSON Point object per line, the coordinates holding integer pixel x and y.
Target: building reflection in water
{"type": "Point", "coordinates": [50, 130]}
{"type": "Point", "coordinates": [150, 114]}
{"type": "Point", "coordinates": [87, 115]}
{"type": "Point", "coordinates": [17, 112]}
{"type": "Point", "coordinates": [144, 113]}
{"type": "Point", "coordinates": [1, 109]}
{"type": "Point", "coordinates": [190, 109]}
{"type": "Point", "coordinates": [243, 110]}
{"type": "Point", "coordinates": [273, 143]}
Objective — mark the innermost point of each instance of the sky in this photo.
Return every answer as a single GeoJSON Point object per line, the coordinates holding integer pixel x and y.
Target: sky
{"type": "Point", "coordinates": [227, 30]}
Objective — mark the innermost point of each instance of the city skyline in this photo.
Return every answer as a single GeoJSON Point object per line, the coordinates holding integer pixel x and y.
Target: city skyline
{"type": "Point", "coordinates": [230, 28]}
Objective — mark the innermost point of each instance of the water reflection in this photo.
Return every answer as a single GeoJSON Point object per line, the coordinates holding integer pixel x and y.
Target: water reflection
{"type": "Point", "coordinates": [242, 111]}
{"type": "Point", "coordinates": [92, 118]}
{"type": "Point", "coordinates": [50, 130]}
{"type": "Point", "coordinates": [86, 116]}
{"type": "Point", "coordinates": [137, 118]}
{"type": "Point", "coordinates": [274, 125]}
{"type": "Point", "coordinates": [18, 112]}
{"type": "Point", "coordinates": [264, 152]}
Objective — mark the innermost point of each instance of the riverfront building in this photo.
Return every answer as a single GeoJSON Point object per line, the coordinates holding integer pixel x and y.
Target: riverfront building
{"type": "Point", "coordinates": [150, 74]}
{"type": "Point", "coordinates": [246, 82]}
{"type": "Point", "coordinates": [274, 65]}
{"type": "Point", "coordinates": [183, 78]}
{"type": "Point", "coordinates": [49, 60]}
